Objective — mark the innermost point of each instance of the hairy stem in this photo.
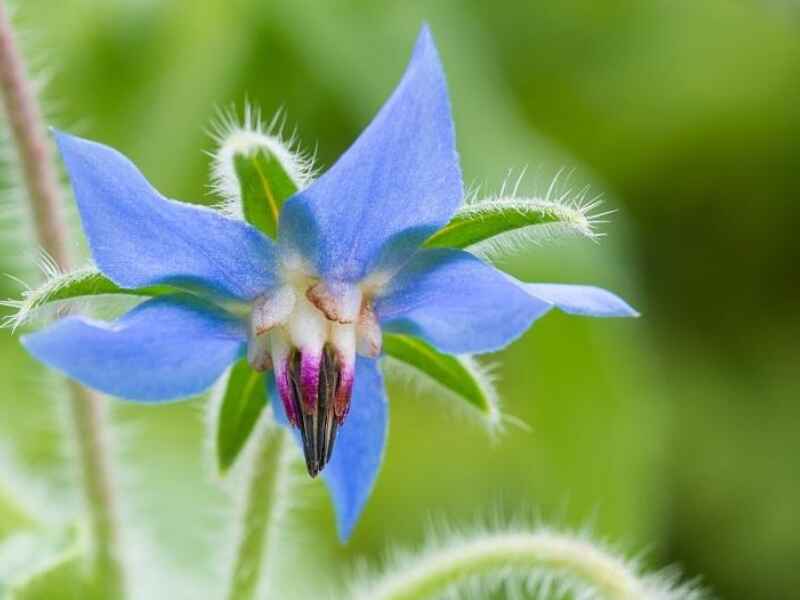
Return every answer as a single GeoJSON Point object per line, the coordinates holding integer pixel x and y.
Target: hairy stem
{"type": "Point", "coordinates": [27, 127]}
{"type": "Point", "coordinates": [432, 574]}
{"type": "Point", "coordinates": [43, 187]}
{"type": "Point", "coordinates": [261, 494]}
{"type": "Point", "coordinates": [88, 424]}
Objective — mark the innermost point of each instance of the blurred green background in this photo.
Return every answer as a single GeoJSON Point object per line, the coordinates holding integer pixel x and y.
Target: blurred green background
{"type": "Point", "coordinates": [677, 434]}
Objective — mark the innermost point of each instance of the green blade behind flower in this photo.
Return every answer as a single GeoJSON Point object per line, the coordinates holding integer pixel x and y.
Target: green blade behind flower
{"type": "Point", "coordinates": [244, 398]}
{"type": "Point", "coordinates": [487, 219]}
{"type": "Point", "coordinates": [459, 375]}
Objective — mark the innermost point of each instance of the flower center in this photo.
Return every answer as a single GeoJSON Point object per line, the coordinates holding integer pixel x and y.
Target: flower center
{"type": "Point", "coordinates": [309, 331]}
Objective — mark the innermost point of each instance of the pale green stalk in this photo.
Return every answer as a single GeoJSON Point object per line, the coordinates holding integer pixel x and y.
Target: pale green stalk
{"type": "Point", "coordinates": [258, 511]}
{"type": "Point", "coordinates": [44, 190]}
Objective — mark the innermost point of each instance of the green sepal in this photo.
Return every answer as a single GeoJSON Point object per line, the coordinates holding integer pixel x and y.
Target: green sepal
{"type": "Point", "coordinates": [81, 283]}
{"type": "Point", "coordinates": [457, 374]}
{"type": "Point", "coordinates": [481, 221]}
{"type": "Point", "coordinates": [244, 398]}
{"type": "Point", "coordinates": [265, 186]}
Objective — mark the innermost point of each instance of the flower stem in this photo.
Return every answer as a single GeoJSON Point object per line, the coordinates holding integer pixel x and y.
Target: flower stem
{"type": "Point", "coordinates": [262, 485]}
{"type": "Point", "coordinates": [27, 128]}
{"type": "Point", "coordinates": [432, 574]}
{"type": "Point", "coordinates": [88, 424]}
{"type": "Point", "coordinates": [86, 411]}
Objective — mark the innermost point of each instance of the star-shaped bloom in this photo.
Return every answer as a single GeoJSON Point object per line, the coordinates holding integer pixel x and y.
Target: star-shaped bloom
{"type": "Point", "coordinates": [347, 266]}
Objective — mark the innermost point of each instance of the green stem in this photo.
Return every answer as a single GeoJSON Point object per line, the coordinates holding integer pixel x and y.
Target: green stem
{"type": "Point", "coordinates": [432, 574]}
{"type": "Point", "coordinates": [44, 190]}
{"type": "Point", "coordinates": [261, 495]}
{"type": "Point", "coordinates": [29, 133]}
{"type": "Point", "coordinates": [88, 419]}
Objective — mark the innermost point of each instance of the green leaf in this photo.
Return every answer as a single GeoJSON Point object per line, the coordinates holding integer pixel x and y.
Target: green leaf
{"type": "Point", "coordinates": [83, 282]}
{"type": "Point", "coordinates": [265, 186]}
{"type": "Point", "coordinates": [459, 375]}
{"type": "Point", "coordinates": [42, 564]}
{"type": "Point", "coordinates": [531, 217]}
{"type": "Point", "coordinates": [244, 399]}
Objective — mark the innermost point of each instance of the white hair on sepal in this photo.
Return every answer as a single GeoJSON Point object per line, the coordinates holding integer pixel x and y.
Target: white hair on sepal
{"type": "Point", "coordinates": [243, 136]}
{"type": "Point", "coordinates": [493, 421]}
{"type": "Point", "coordinates": [472, 193]}
{"type": "Point", "coordinates": [34, 298]}
{"type": "Point", "coordinates": [573, 213]}
{"type": "Point", "coordinates": [37, 302]}
{"type": "Point", "coordinates": [522, 558]}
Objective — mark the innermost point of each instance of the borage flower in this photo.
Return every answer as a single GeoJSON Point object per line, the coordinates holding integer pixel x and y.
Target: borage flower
{"type": "Point", "coordinates": [349, 264]}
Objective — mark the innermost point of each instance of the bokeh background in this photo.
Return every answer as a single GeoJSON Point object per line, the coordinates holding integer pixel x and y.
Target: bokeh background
{"type": "Point", "coordinates": [677, 434]}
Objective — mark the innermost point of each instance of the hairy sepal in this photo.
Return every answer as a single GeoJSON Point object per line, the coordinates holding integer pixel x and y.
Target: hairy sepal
{"type": "Point", "coordinates": [255, 171]}
{"type": "Point", "coordinates": [61, 287]}
{"type": "Point", "coordinates": [531, 219]}
{"type": "Point", "coordinates": [462, 376]}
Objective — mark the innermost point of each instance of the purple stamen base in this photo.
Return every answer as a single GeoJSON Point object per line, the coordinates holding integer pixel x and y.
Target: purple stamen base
{"type": "Point", "coordinates": [316, 395]}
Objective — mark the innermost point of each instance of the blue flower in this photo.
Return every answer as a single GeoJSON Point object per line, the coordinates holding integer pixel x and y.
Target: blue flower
{"type": "Point", "coordinates": [348, 265]}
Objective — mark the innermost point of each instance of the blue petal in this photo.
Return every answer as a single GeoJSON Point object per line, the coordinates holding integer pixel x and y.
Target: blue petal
{"type": "Point", "coordinates": [396, 185]}
{"type": "Point", "coordinates": [139, 238]}
{"type": "Point", "coordinates": [584, 300]}
{"type": "Point", "coordinates": [166, 348]}
{"type": "Point", "coordinates": [457, 303]}
{"type": "Point", "coordinates": [360, 442]}
{"type": "Point", "coordinates": [359, 447]}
